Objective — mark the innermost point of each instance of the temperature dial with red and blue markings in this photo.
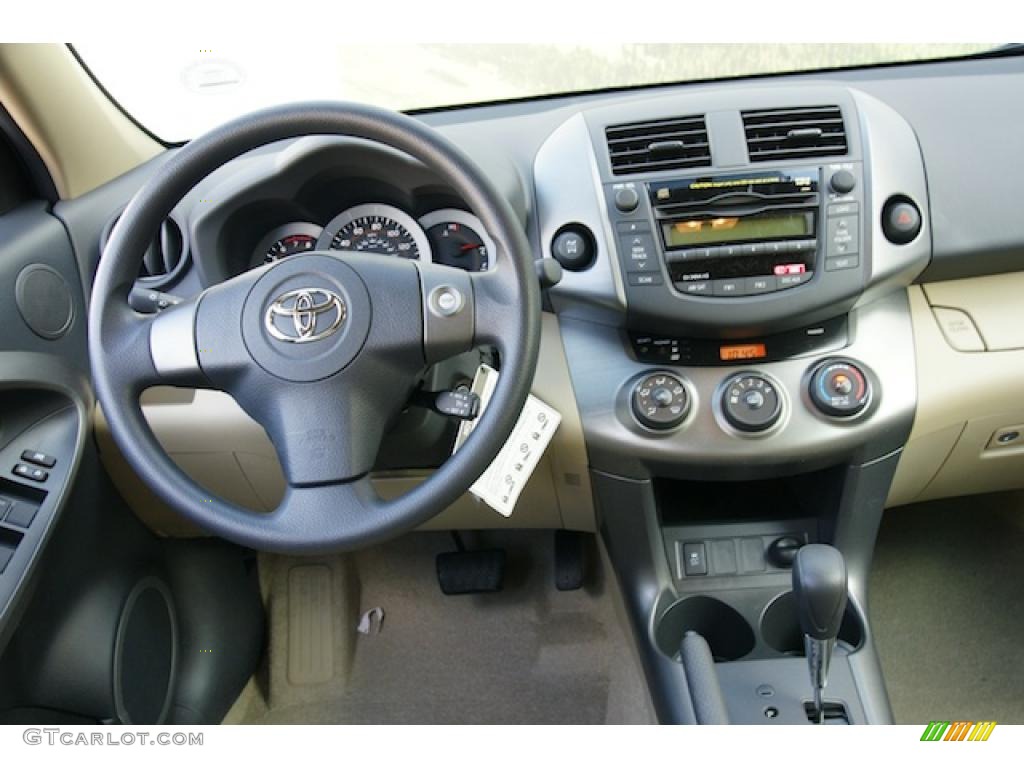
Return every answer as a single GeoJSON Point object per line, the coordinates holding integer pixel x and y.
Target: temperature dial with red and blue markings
{"type": "Point", "coordinates": [839, 388]}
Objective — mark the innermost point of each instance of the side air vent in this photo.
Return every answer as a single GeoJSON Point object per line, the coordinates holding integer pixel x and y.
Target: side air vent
{"type": "Point", "coordinates": [166, 256]}
{"type": "Point", "coordinates": [660, 145]}
{"type": "Point", "coordinates": [784, 134]}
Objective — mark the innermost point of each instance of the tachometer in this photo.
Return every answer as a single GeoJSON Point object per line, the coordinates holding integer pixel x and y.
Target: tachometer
{"type": "Point", "coordinates": [458, 239]}
{"type": "Point", "coordinates": [376, 228]}
{"type": "Point", "coordinates": [286, 240]}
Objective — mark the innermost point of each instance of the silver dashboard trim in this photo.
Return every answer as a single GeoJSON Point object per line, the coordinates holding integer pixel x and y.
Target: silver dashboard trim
{"type": "Point", "coordinates": [893, 166]}
{"type": "Point", "coordinates": [568, 187]}
{"type": "Point", "coordinates": [881, 338]}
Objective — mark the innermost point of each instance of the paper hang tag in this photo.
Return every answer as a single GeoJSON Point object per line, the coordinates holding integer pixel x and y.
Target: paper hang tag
{"type": "Point", "coordinates": [499, 487]}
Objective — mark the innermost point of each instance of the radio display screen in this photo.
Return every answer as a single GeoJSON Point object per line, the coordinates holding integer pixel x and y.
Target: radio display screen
{"type": "Point", "coordinates": [685, 233]}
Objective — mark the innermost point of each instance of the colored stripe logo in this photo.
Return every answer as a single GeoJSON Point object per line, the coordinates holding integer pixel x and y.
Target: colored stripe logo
{"type": "Point", "coordinates": [959, 730]}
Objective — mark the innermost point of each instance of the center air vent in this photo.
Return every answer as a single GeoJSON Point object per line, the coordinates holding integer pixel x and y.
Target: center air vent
{"type": "Point", "coordinates": [166, 255]}
{"type": "Point", "coordinates": [660, 145]}
{"type": "Point", "coordinates": [784, 134]}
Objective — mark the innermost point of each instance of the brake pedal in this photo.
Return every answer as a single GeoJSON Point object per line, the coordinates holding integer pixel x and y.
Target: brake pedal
{"type": "Point", "coordinates": [570, 560]}
{"type": "Point", "coordinates": [469, 572]}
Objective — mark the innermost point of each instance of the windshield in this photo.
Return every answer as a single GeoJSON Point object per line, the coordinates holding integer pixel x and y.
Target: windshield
{"type": "Point", "coordinates": [178, 92]}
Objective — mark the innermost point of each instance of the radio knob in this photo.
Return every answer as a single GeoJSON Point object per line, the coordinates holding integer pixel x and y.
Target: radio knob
{"type": "Point", "coordinates": [842, 182]}
{"type": "Point", "coordinates": [660, 401]}
{"type": "Point", "coordinates": [751, 403]}
{"type": "Point", "coordinates": [839, 388]}
{"type": "Point", "coordinates": [626, 199]}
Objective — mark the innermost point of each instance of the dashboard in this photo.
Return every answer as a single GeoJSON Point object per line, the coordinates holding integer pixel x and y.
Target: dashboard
{"type": "Point", "coordinates": [700, 253]}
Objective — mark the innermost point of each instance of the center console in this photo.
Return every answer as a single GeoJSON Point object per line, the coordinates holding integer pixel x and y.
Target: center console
{"type": "Point", "coordinates": [735, 319]}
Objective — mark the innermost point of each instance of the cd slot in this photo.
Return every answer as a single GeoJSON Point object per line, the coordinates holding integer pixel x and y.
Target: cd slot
{"type": "Point", "coordinates": [745, 203]}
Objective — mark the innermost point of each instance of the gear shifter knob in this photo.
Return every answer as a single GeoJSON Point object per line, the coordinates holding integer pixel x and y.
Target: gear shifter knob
{"type": "Point", "coordinates": [819, 584]}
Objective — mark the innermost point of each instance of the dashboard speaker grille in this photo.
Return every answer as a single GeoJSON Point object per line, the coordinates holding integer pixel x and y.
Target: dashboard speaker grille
{"type": "Point", "coordinates": [659, 145]}
{"type": "Point", "coordinates": [785, 134]}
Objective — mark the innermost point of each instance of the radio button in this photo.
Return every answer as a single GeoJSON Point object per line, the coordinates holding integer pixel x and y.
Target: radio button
{"type": "Point", "coordinates": [763, 284]}
{"type": "Point", "coordinates": [793, 280]}
{"type": "Point", "coordinates": [729, 287]}
{"type": "Point", "coordinates": [645, 278]}
{"type": "Point", "coordinates": [843, 209]}
{"type": "Point", "coordinates": [699, 287]}
{"type": "Point", "coordinates": [632, 227]}
{"type": "Point", "coordinates": [842, 262]}
{"type": "Point", "coordinates": [842, 236]}
{"type": "Point", "coordinates": [643, 265]}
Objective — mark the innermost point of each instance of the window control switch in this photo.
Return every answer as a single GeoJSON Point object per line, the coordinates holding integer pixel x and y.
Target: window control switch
{"type": "Point", "coordinates": [30, 473]}
{"type": "Point", "coordinates": [39, 459]}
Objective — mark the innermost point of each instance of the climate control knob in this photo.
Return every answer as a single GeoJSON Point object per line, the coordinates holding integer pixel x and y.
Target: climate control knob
{"type": "Point", "coordinates": [751, 403]}
{"type": "Point", "coordinates": [660, 401]}
{"type": "Point", "coordinates": [839, 388]}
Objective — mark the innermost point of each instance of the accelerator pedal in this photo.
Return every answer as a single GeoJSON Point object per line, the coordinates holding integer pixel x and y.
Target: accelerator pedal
{"type": "Point", "coordinates": [570, 560]}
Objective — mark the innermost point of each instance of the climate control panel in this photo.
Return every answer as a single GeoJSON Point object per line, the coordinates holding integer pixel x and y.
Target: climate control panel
{"type": "Point", "coordinates": [752, 402]}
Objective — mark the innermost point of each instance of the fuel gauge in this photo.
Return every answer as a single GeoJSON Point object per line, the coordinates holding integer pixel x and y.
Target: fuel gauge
{"type": "Point", "coordinates": [457, 239]}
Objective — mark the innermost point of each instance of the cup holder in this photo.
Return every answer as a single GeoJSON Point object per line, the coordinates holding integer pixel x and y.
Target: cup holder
{"type": "Point", "coordinates": [727, 632]}
{"type": "Point", "coordinates": [780, 627]}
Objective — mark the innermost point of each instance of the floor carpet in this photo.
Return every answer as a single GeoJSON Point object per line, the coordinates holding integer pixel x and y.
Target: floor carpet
{"type": "Point", "coordinates": [528, 654]}
{"type": "Point", "coordinates": [947, 606]}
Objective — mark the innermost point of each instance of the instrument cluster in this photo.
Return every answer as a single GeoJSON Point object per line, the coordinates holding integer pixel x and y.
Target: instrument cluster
{"type": "Point", "coordinates": [447, 236]}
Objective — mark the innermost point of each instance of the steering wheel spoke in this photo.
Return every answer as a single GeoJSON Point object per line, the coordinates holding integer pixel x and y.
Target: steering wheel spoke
{"type": "Point", "coordinates": [324, 432]}
{"type": "Point", "coordinates": [494, 310]}
{"type": "Point", "coordinates": [173, 348]}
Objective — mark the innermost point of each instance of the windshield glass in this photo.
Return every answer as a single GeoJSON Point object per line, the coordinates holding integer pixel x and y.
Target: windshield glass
{"type": "Point", "coordinates": [178, 92]}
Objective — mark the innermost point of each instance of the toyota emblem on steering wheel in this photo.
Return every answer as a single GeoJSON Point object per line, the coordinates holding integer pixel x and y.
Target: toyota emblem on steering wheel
{"type": "Point", "coordinates": [304, 315]}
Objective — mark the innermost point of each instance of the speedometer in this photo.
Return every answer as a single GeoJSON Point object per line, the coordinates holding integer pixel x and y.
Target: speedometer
{"type": "Point", "coordinates": [376, 228]}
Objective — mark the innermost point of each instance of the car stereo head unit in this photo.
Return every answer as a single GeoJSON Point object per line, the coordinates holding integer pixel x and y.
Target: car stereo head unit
{"type": "Point", "coordinates": [740, 252]}
{"type": "Point", "coordinates": [758, 232]}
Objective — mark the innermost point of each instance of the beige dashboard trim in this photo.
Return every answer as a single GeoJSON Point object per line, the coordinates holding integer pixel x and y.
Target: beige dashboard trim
{"type": "Point", "coordinates": [83, 139]}
{"type": "Point", "coordinates": [216, 443]}
{"type": "Point", "coordinates": [963, 397]}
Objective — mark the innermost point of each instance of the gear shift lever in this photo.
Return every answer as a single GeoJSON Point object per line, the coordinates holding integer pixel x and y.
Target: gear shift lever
{"type": "Point", "coordinates": [819, 583]}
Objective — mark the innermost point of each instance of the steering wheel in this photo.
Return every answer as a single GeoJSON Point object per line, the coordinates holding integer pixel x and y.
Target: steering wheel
{"type": "Point", "coordinates": [322, 349]}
